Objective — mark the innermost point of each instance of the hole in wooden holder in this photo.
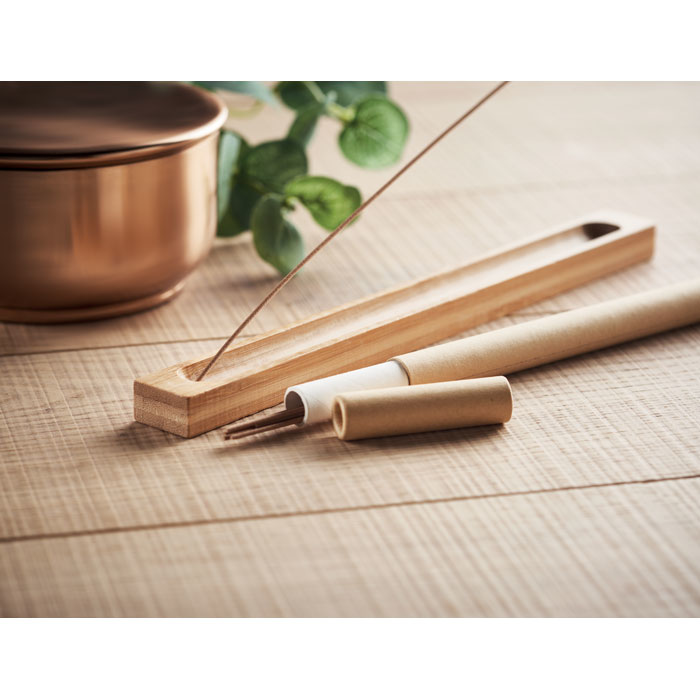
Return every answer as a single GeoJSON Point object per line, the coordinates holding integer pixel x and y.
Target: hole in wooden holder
{"type": "Point", "coordinates": [596, 229]}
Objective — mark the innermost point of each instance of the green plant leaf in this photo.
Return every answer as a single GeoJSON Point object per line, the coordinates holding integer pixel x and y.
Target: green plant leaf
{"type": "Point", "coordinates": [351, 91]}
{"type": "Point", "coordinates": [304, 124]}
{"type": "Point", "coordinates": [255, 89]}
{"type": "Point", "coordinates": [276, 239]}
{"type": "Point", "coordinates": [235, 199]}
{"type": "Point", "coordinates": [228, 226]}
{"type": "Point", "coordinates": [329, 201]}
{"type": "Point", "coordinates": [242, 201]}
{"type": "Point", "coordinates": [273, 164]}
{"type": "Point", "coordinates": [377, 134]}
{"type": "Point", "coordinates": [229, 150]}
{"type": "Point", "coordinates": [295, 94]}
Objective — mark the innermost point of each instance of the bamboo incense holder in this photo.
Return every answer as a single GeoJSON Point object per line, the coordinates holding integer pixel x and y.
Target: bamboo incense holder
{"type": "Point", "coordinates": [254, 373]}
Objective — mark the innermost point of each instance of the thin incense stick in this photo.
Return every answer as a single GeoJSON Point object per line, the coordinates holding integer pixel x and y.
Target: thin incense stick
{"type": "Point", "coordinates": [350, 218]}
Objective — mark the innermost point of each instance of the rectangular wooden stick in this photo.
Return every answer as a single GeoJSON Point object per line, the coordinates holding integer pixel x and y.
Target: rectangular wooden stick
{"type": "Point", "coordinates": [254, 373]}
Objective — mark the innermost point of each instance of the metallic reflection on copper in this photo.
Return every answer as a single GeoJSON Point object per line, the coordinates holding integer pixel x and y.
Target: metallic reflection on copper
{"type": "Point", "coordinates": [91, 240]}
{"type": "Point", "coordinates": [63, 118]}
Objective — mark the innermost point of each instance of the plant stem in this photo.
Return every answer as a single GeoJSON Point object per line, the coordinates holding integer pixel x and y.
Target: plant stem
{"type": "Point", "coordinates": [315, 91]}
{"type": "Point", "coordinates": [333, 109]}
{"type": "Point", "coordinates": [344, 114]}
{"type": "Point", "coordinates": [251, 111]}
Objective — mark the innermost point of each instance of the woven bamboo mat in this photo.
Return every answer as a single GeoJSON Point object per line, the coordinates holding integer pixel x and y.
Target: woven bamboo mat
{"type": "Point", "coordinates": [585, 504]}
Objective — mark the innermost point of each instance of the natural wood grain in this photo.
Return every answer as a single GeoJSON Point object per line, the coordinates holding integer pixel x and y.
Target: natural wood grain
{"type": "Point", "coordinates": [558, 336]}
{"type": "Point", "coordinates": [370, 260]}
{"type": "Point", "coordinates": [540, 153]}
{"type": "Point", "coordinates": [253, 374]}
{"type": "Point", "coordinates": [72, 459]}
{"type": "Point", "coordinates": [529, 134]}
{"type": "Point", "coordinates": [617, 551]}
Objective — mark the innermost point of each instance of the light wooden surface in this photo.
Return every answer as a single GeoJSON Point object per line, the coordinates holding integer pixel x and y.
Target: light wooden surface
{"type": "Point", "coordinates": [254, 373]}
{"type": "Point", "coordinates": [586, 503]}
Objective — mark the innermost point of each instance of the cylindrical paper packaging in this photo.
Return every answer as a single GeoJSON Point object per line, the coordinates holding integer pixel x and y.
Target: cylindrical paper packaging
{"type": "Point", "coordinates": [422, 408]}
{"type": "Point", "coordinates": [317, 396]}
{"type": "Point", "coordinates": [558, 336]}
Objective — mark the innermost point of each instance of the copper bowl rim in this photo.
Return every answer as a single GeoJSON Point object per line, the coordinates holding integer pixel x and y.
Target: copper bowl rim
{"type": "Point", "coordinates": [174, 144]}
{"type": "Point", "coordinates": [99, 160]}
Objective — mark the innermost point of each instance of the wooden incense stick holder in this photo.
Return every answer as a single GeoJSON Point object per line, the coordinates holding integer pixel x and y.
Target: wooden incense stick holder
{"type": "Point", "coordinates": [254, 373]}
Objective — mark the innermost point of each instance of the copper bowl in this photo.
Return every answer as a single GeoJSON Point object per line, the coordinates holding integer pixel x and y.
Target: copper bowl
{"type": "Point", "coordinates": [107, 195]}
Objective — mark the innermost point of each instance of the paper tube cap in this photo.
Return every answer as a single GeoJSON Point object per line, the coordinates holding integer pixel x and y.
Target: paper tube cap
{"type": "Point", "coordinates": [422, 408]}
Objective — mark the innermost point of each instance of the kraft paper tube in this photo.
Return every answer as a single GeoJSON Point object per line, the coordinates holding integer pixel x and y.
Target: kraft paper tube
{"type": "Point", "coordinates": [558, 336]}
{"type": "Point", "coordinates": [419, 409]}
{"type": "Point", "coordinates": [317, 396]}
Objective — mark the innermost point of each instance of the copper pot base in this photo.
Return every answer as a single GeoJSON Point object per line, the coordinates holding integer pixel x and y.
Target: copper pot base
{"type": "Point", "coordinates": [89, 313]}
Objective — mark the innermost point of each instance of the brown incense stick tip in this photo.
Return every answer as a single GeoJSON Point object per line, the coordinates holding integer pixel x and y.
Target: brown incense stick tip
{"type": "Point", "coordinates": [282, 419]}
